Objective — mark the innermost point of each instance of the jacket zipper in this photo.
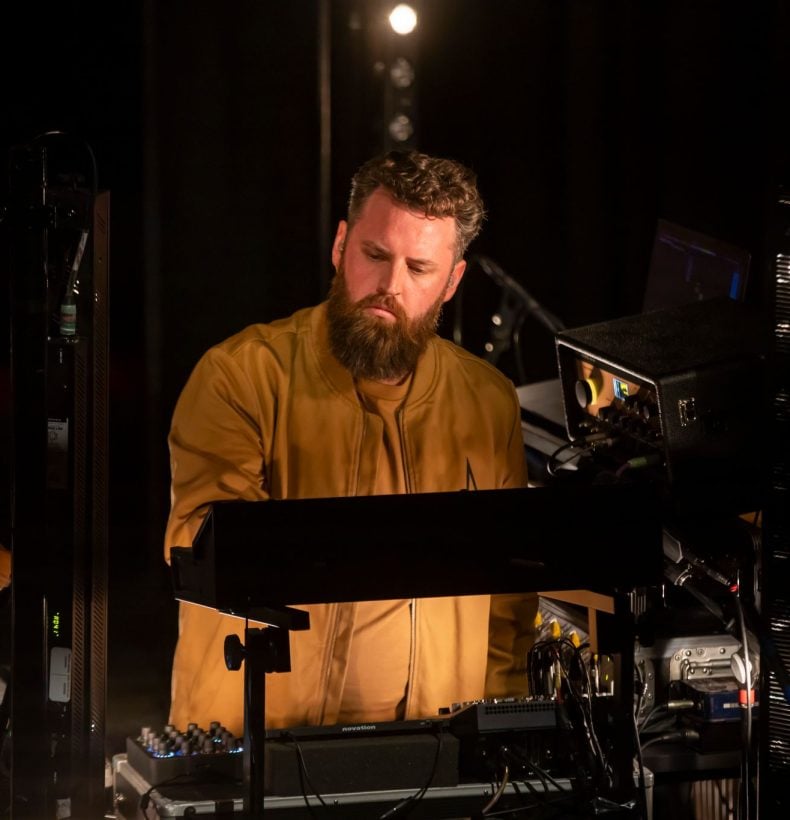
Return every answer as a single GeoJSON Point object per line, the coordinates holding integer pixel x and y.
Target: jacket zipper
{"type": "Point", "coordinates": [412, 657]}
{"type": "Point", "coordinates": [328, 657]}
{"type": "Point", "coordinates": [413, 601]}
{"type": "Point", "coordinates": [403, 452]}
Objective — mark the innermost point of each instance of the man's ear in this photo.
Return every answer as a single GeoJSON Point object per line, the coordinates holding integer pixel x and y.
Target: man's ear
{"type": "Point", "coordinates": [455, 280]}
{"type": "Point", "coordinates": [340, 241]}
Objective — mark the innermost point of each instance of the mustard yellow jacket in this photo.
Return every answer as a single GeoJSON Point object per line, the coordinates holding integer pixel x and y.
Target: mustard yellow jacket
{"type": "Point", "coordinates": [270, 413]}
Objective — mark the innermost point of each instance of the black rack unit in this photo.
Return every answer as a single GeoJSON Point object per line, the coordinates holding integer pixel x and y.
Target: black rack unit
{"type": "Point", "coordinates": [57, 236]}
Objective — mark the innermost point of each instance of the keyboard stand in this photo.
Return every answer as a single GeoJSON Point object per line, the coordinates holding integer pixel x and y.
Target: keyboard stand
{"type": "Point", "coordinates": [264, 650]}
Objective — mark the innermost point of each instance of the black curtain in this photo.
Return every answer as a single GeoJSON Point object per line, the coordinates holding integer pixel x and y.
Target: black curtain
{"type": "Point", "coordinates": [586, 122]}
{"type": "Point", "coordinates": [230, 209]}
{"type": "Point", "coordinates": [589, 121]}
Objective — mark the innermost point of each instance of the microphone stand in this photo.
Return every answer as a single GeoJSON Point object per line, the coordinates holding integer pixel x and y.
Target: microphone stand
{"type": "Point", "coordinates": [514, 306]}
{"type": "Point", "coordinates": [531, 305]}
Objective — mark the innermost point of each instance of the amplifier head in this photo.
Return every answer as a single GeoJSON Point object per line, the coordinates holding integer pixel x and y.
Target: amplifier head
{"type": "Point", "coordinates": [683, 387]}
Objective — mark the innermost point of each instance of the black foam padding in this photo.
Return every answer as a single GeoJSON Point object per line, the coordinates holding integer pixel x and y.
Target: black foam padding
{"type": "Point", "coordinates": [360, 764]}
{"type": "Point", "coordinates": [663, 343]}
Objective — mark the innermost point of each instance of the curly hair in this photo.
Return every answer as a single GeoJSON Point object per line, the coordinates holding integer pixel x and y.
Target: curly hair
{"type": "Point", "coordinates": [431, 185]}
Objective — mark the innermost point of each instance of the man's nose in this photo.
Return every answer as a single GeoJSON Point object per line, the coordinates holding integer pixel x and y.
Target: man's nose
{"type": "Point", "coordinates": [392, 277]}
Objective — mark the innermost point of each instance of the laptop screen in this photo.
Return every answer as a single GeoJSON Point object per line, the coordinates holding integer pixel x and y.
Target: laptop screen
{"type": "Point", "coordinates": [687, 266]}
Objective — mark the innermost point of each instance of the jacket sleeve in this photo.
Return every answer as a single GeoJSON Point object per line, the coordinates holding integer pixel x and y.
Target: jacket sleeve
{"type": "Point", "coordinates": [216, 445]}
{"type": "Point", "coordinates": [511, 635]}
{"type": "Point", "coordinates": [514, 463]}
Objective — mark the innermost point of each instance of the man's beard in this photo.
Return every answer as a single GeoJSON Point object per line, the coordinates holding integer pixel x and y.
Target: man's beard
{"type": "Point", "coordinates": [371, 347]}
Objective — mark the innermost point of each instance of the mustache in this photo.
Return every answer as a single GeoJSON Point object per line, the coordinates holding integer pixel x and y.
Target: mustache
{"type": "Point", "coordinates": [381, 299]}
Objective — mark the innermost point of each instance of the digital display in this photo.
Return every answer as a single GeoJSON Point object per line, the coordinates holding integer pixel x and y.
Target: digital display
{"type": "Point", "coordinates": [620, 388]}
{"type": "Point", "coordinates": [55, 624]}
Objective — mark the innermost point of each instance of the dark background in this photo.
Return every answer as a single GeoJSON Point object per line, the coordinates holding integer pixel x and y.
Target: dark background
{"type": "Point", "coordinates": [585, 121]}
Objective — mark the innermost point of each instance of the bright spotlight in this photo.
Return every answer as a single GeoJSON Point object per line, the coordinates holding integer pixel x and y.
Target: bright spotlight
{"type": "Point", "coordinates": [403, 19]}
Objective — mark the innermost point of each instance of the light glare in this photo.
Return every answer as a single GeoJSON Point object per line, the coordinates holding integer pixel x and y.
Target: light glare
{"type": "Point", "coordinates": [403, 19]}
{"type": "Point", "coordinates": [401, 128]}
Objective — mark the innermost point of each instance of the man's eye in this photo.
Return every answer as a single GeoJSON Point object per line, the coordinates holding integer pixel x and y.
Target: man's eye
{"type": "Point", "coordinates": [376, 256]}
{"type": "Point", "coordinates": [416, 270]}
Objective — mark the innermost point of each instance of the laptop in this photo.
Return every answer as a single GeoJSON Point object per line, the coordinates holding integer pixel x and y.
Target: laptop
{"type": "Point", "coordinates": [687, 266]}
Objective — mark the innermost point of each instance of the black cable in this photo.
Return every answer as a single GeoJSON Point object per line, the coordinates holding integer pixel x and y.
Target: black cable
{"type": "Point", "coordinates": [145, 797]}
{"type": "Point", "coordinates": [409, 802]}
{"type": "Point", "coordinates": [678, 736]}
{"type": "Point", "coordinates": [551, 802]}
{"type": "Point", "coordinates": [664, 712]}
{"type": "Point", "coordinates": [542, 774]}
{"type": "Point", "coordinates": [567, 794]}
{"type": "Point", "coordinates": [658, 707]}
{"type": "Point", "coordinates": [724, 799]}
{"type": "Point", "coordinates": [640, 767]}
{"type": "Point", "coordinates": [498, 793]}
{"type": "Point", "coordinates": [747, 722]}
{"type": "Point", "coordinates": [304, 776]}
{"type": "Point", "coordinates": [589, 443]}
{"type": "Point", "coordinates": [577, 696]}
{"type": "Point", "coordinates": [533, 790]}
{"type": "Point", "coordinates": [658, 719]}
{"type": "Point", "coordinates": [585, 709]}
{"type": "Point", "coordinates": [551, 464]}
{"type": "Point", "coordinates": [641, 691]}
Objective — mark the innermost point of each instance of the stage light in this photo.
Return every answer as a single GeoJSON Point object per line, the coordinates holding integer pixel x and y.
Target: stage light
{"type": "Point", "coordinates": [401, 128]}
{"type": "Point", "coordinates": [403, 19]}
{"type": "Point", "coordinates": [401, 73]}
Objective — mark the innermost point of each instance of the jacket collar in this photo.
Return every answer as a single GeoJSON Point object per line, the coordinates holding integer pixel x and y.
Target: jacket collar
{"type": "Point", "coordinates": [341, 380]}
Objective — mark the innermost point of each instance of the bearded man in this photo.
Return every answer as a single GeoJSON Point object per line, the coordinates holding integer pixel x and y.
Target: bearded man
{"type": "Point", "coordinates": [357, 396]}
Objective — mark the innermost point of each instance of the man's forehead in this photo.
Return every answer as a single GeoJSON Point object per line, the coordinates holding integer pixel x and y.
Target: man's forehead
{"type": "Point", "coordinates": [381, 209]}
{"type": "Point", "coordinates": [382, 198]}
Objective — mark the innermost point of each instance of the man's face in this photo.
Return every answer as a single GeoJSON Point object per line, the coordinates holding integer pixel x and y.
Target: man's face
{"type": "Point", "coordinates": [394, 271]}
{"type": "Point", "coordinates": [393, 251]}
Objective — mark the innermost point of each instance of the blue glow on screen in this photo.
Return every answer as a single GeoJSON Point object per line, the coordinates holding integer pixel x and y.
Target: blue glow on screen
{"type": "Point", "coordinates": [735, 285]}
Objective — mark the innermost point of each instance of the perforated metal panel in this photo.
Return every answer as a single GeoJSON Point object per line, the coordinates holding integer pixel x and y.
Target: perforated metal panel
{"type": "Point", "coordinates": [776, 539]}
